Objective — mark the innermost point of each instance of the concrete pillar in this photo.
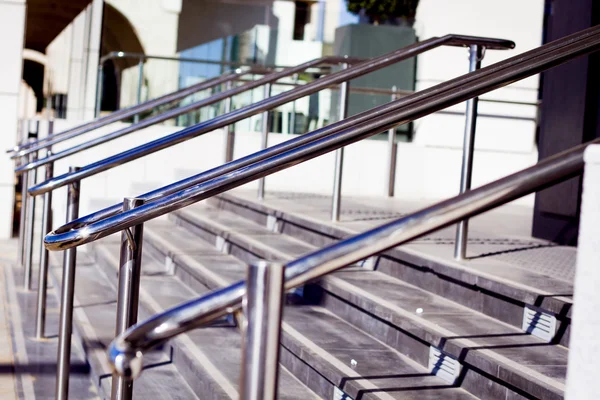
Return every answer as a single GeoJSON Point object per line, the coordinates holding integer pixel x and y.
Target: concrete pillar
{"type": "Point", "coordinates": [12, 32]}
{"type": "Point", "coordinates": [584, 347]}
{"type": "Point", "coordinates": [76, 67]}
{"type": "Point", "coordinates": [92, 54]}
{"type": "Point", "coordinates": [85, 36]}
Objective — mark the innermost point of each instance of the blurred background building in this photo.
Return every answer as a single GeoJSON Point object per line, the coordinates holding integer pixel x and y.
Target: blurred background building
{"type": "Point", "coordinates": [77, 59]}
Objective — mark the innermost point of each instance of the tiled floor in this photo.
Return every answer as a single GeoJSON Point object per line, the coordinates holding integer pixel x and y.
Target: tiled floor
{"type": "Point", "coordinates": [8, 383]}
{"type": "Point", "coordinates": [500, 241]}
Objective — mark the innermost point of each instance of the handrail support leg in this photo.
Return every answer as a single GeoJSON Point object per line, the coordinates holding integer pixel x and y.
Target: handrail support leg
{"type": "Point", "coordinates": [30, 225]}
{"type": "Point", "coordinates": [128, 292]}
{"type": "Point", "coordinates": [40, 319]}
{"type": "Point", "coordinates": [476, 53]}
{"type": "Point", "coordinates": [65, 325]}
{"type": "Point", "coordinates": [263, 308]}
{"type": "Point", "coordinates": [336, 202]}
{"type": "Point", "coordinates": [264, 140]}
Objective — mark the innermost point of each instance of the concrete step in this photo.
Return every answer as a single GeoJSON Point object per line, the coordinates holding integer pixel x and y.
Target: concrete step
{"type": "Point", "coordinates": [498, 360]}
{"type": "Point", "coordinates": [503, 278]}
{"type": "Point", "coordinates": [317, 346]}
{"type": "Point", "coordinates": [94, 327]}
{"type": "Point", "coordinates": [208, 358]}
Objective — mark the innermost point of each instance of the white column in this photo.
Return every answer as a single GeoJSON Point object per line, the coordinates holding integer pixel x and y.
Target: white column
{"type": "Point", "coordinates": [76, 77]}
{"type": "Point", "coordinates": [92, 53]}
{"type": "Point", "coordinates": [584, 348]}
{"type": "Point", "coordinates": [12, 33]}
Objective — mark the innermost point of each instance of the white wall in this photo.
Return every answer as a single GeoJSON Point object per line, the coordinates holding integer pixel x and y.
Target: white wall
{"type": "Point", "coordinates": [72, 65]}
{"type": "Point", "coordinates": [12, 28]}
{"type": "Point", "coordinates": [424, 173]}
{"type": "Point", "coordinates": [155, 22]}
{"type": "Point", "coordinates": [519, 21]}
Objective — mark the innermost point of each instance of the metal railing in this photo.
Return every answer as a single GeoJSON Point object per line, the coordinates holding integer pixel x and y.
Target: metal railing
{"type": "Point", "coordinates": [141, 58]}
{"type": "Point", "coordinates": [129, 112]}
{"type": "Point", "coordinates": [247, 164]}
{"type": "Point", "coordinates": [126, 351]}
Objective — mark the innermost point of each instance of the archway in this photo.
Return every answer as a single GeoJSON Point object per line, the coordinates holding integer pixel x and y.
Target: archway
{"type": "Point", "coordinates": [118, 35]}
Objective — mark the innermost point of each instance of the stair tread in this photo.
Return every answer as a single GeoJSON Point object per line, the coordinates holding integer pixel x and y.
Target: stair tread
{"type": "Point", "coordinates": [94, 318]}
{"type": "Point", "coordinates": [220, 346]}
{"type": "Point", "coordinates": [330, 338]}
{"type": "Point", "coordinates": [514, 350]}
{"type": "Point", "coordinates": [508, 265]}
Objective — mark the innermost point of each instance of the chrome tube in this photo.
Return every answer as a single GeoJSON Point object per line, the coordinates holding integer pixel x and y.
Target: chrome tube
{"type": "Point", "coordinates": [375, 121]}
{"type": "Point", "coordinates": [128, 348]}
{"type": "Point", "coordinates": [99, 86]}
{"type": "Point", "coordinates": [123, 114]}
{"type": "Point", "coordinates": [23, 215]}
{"type": "Point", "coordinates": [260, 347]}
{"type": "Point", "coordinates": [476, 54]}
{"type": "Point", "coordinates": [65, 323]}
{"type": "Point", "coordinates": [336, 199]}
{"type": "Point", "coordinates": [29, 227]}
{"type": "Point", "coordinates": [40, 315]}
{"type": "Point", "coordinates": [253, 109]}
{"type": "Point", "coordinates": [292, 128]}
{"type": "Point", "coordinates": [229, 129]}
{"type": "Point", "coordinates": [136, 117]}
{"type": "Point", "coordinates": [152, 120]}
{"type": "Point", "coordinates": [392, 154]}
{"type": "Point", "coordinates": [264, 140]}
{"type": "Point", "coordinates": [130, 270]}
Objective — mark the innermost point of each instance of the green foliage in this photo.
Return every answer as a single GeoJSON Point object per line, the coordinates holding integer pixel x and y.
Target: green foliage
{"type": "Point", "coordinates": [382, 10]}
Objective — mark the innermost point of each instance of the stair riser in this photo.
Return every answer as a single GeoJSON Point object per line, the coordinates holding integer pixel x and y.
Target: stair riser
{"type": "Point", "coordinates": [187, 366]}
{"type": "Point", "coordinates": [296, 361]}
{"type": "Point", "coordinates": [481, 376]}
{"type": "Point", "coordinates": [477, 375]}
{"type": "Point", "coordinates": [505, 304]}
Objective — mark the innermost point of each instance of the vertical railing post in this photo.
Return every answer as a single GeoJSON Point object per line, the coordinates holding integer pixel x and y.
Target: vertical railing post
{"type": "Point", "coordinates": [476, 53]}
{"type": "Point", "coordinates": [44, 254]}
{"type": "Point", "coordinates": [136, 119]}
{"type": "Point", "coordinates": [40, 316]}
{"type": "Point", "coordinates": [260, 350]}
{"type": "Point", "coordinates": [23, 216]}
{"type": "Point", "coordinates": [392, 154]}
{"type": "Point", "coordinates": [264, 140]}
{"type": "Point", "coordinates": [65, 323]}
{"type": "Point", "coordinates": [99, 85]}
{"type": "Point", "coordinates": [229, 129]}
{"type": "Point", "coordinates": [30, 225]}
{"type": "Point", "coordinates": [336, 203]}
{"type": "Point", "coordinates": [129, 291]}
{"type": "Point", "coordinates": [292, 128]}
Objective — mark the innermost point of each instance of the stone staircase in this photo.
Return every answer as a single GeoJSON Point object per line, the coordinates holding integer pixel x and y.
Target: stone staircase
{"type": "Point", "coordinates": [410, 324]}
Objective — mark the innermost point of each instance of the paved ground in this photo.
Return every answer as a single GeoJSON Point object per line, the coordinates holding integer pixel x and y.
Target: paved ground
{"type": "Point", "coordinates": [8, 382]}
{"type": "Point", "coordinates": [27, 364]}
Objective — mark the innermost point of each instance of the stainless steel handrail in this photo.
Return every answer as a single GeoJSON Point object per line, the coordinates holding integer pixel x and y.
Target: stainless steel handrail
{"type": "Point", "coordinates": [215, 98]}
{"type": "Point", "coordinates": [322, 141]}
{"type": "Point", "coordinates": [126, 351]}
{"type": "Point", "coordinates": [253, 109]}
{"type": "Point", "coordinates": [124, 54]}
{"type": "Point", "coordinates": [120, 115]}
